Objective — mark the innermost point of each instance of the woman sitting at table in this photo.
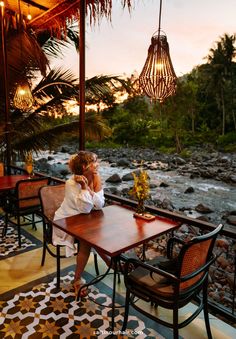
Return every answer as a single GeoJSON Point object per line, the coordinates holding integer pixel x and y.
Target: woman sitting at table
{"type": "Point", "coordinates": [83, 192]}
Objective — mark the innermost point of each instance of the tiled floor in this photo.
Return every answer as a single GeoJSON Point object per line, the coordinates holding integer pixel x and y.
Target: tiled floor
{"type": "Point", "coordinates": [23, 268]}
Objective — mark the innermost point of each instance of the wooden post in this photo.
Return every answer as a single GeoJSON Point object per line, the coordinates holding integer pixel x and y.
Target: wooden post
{"type": "Point", "coordinates": [6, 90]}
{"type": "Point", "coordinates": [82, 12]}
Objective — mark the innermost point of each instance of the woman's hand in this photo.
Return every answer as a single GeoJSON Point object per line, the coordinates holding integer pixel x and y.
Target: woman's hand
{"type": "Point", "coordinates": [82, 180]}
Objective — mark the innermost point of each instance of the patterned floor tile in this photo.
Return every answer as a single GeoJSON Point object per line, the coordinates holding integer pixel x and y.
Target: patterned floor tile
{"type": "Point", "coordinates": [46, 312]}
{"type": "Point", "coordinates": [9, 244]}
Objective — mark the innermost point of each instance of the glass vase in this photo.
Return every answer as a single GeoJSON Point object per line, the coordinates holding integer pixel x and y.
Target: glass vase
{"type": "Point", "coordinates": [140, 207]}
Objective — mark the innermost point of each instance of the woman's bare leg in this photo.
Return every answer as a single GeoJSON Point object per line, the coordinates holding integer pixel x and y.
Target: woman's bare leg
{"type": "Point", "coordinates": [82, 259]}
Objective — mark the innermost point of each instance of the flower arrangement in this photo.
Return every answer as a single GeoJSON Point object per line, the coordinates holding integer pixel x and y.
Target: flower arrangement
{"type": "Point", "coordinates": [29, 163]}
{"type": "Point", "coordinates": [29, 158]}
{"type": "Point", "coordinates": [140, 189]}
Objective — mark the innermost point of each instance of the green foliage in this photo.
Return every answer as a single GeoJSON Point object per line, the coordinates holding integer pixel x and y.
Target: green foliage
{"type": "Point", "coordinates": [227, 139]}
{"type": "Point", "coordinates": [101, 144]}
{"type": "Point", "coordinates": [186, 153]}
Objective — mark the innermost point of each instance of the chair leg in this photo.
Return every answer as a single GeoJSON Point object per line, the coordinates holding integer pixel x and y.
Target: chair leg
{"type": "Point", "coordinates": [19, 230]}
{"type": "Point", "coordinates": [96, 263]}
{"type": "Point", "coordinates": [4, 231]}
{"type": "Point", "coordinates": [44, 253]}
{"type": "Point", "coordinates": [126, 315]}
{"type": "Point", "coordinates": [175, 323]}
{"type": "Point", "coordinates": [206, 313]}
{"type": "Point", "coordinates": [58, 266]}
{"type": "Point", "coordinates": [33, 222]}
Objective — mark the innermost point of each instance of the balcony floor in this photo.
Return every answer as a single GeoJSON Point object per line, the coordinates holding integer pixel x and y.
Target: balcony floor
{"type": "Point", "coordinates": [23, 268]}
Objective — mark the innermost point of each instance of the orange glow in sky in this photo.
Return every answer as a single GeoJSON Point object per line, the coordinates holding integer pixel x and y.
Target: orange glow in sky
{"type": "Point", "coordinates": [120, 47]}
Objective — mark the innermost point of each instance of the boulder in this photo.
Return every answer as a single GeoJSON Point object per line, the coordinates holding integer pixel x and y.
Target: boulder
{"type": "Point", "coordinates": [128, 177]}
{"type": "Point", "coordinates": [179, 161]}
{"type": "Point", "coordinates": [233, 177]}
{"type": "Point", "coordinates": [123, 162]}
{"type": "Point", "coordinates": [203, 209]}
{"type": "Point", "coordinates": [115, 178]}
{"type": "Point", "coordinates": [231, 219]}
{"type": "Point", "coordinates": [190, 189]}
{"type": "Point", "coordinates": [164, 184]}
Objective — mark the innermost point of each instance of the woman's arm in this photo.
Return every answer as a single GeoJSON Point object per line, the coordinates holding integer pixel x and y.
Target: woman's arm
{"type": "Point", "coordinates": [97, 182]}
{"type": "Point", "coordinates": [89, 196]}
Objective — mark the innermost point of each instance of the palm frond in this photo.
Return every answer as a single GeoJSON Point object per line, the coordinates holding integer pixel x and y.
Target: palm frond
{"type": "Point", "coordinates": [53, 46]}
{"type": "Point", "coordinates": [58, 82]}
{"type": "Point", "coordinates": [47, 136]}
{"type": "Point", "coordinates": [24, 53]}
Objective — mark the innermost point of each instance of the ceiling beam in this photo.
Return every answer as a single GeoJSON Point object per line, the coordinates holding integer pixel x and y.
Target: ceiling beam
{"type": "Point", "coordinates": [35, 4]}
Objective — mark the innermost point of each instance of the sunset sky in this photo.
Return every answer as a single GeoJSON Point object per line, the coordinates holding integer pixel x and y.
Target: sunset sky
{"type": "Point", "coordinates": [120, 47]}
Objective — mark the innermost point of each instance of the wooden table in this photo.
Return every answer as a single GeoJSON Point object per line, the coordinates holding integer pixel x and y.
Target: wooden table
{"type": "Point", "coordinates": [113, 230]}
{"type": "Point", "coordinates": [8, 182]}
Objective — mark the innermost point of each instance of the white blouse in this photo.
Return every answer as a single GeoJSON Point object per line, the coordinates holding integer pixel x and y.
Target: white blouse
{"type": "Point", "coordinates": [76, 201]}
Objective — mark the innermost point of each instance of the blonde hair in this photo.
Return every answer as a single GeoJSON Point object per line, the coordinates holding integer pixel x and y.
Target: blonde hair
{"type": "Point", "coordinates": [79, 161]}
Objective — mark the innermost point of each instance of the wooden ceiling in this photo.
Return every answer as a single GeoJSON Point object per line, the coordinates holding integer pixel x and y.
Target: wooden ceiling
{"type": "Point", "coordinates": [34, 7]}
{"type": "Point", "coordinates": [53, 14]}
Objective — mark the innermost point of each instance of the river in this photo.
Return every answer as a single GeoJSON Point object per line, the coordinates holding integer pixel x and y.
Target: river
{"type": "Point", "coordinates": [217, 195]}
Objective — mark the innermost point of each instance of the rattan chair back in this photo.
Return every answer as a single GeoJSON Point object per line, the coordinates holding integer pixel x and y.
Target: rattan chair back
{"type": "Point", "coordinates": [51, 198]}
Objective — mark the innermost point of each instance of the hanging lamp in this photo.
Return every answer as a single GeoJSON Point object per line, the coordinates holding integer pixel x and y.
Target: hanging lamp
{"type": "Point", "coordinates": [158, 78]}
{"type": "Point", "coordinates": [23, 98]}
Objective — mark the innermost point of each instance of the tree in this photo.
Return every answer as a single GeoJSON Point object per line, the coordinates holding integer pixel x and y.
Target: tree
{"type": "Point", "coordinates": [222, 71]}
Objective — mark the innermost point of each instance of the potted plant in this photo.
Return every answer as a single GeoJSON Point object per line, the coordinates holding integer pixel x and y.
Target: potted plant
{"type": "Point", "coordinates": [140, 190]}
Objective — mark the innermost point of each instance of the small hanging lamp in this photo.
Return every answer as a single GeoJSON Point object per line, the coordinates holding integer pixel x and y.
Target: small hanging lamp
{"type": "Point", "coordinates": [23, 98]}
{"type": "Point", "coordinates": [158, 78]}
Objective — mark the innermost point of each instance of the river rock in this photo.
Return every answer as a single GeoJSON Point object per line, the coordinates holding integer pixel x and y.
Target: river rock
{"type": "Point", "coordinates": [123, 162]}
{"type": "Point", "coordinates": [60, 170]}
{"type": "Point", "coordinates": [230, 279]}
{"type": "Point", "coordinates": [115, 178]}
{"type": "Point", "coordinates": [66, 149]}
{"type": "Point", "coordinates": [223, 262]}
{"type": "Point", "coordinates": [203, 218]}
{"type": "Point", "coordinates": [164, 184]}
{"type": "Point", "coordinates": [223, 243]}
{"type": "Point", "coordinates": [189, 190]}
{"type": "Point", "coordinates": [203, 209]}
{"type": "Point", "coordinates": [42, 165]}
{"type": "Point", "coordinates": [128, 177]}
{"type": "Point", "coordinates": [179, 161]}
{"type": "Point", "coordinates": [233, 178]}
{"type": "Point", "coordinates": [167, 204]}
{"type": "Point", "coordinates": [111, 190]}
{"type": "Point", "coordinates": [152, 185]}
{"type": "Point", "coordinates": [231, 219]}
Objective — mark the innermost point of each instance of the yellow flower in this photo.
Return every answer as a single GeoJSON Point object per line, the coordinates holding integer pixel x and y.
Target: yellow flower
{"type": "Point", "coordinates": [140, 189]}
{"type": "Point", "coordinates": [29, 158]}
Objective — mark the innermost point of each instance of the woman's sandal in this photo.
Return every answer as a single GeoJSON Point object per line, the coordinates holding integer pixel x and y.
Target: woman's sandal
{"type": "Point", "coordinates": [77, 285]}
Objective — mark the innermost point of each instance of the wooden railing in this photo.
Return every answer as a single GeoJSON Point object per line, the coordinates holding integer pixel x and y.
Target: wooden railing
{"type": "Point", "coordinates": [218, 307]}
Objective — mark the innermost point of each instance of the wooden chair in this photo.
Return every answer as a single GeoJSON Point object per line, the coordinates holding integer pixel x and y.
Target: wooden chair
{"type": "Point", "coordinates": [186, 277]}
{"type": "Point", "coordinates": [24, 201]}
{"type": "Point", "coordinates": [2, 170]}
{"type": "Point", "coordinates": [2, 195]}
{"type": "Point", "coordinates": [51, 198]}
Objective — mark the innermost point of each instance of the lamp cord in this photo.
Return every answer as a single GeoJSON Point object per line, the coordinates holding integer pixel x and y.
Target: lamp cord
{"type": "Point", "coordinates": [20, 15]}
{"type": "Point", "coordinates": [159, 24]}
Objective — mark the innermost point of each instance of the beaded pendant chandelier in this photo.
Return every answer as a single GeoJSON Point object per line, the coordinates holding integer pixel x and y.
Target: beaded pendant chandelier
{"type": "Point", "coordinates": [23, 98]}
{"type": "Point", "coordinates": [158, 78]}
